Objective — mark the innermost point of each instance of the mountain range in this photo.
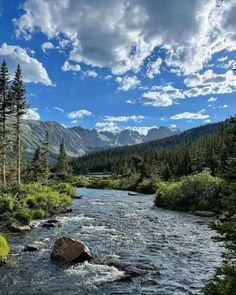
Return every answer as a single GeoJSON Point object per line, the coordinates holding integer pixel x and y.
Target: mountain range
{"type": "Point", "coordinates": [80, 141]}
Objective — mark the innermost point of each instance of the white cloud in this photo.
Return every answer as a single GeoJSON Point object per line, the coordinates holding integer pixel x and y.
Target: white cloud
{"type": "Point", "coordinates": [58, 109]}
{"type": "Point", "coordinates": [107, 126]}
{"type": "Point", "coordinates": [190, 31]}
{"type": "Point", "coordinates": [225, 106]}
{"type": "Point", "coordinates": [190, 116]}
{"type": "Point", "coordinates": [33, 70]}
{"type": "Point", "coordinates": [69, 67]}
{"type": "Point", "coordinates": [131, 101]}
{"type": "Point", "coordinates": [212, 99]}
{"type": "Point", "coordinates": [161, 96]}
{"type": "Point", "coordinates": [127, 82]}
{"type": "Point", "coordinates": [91, 74]}
{"type": "Point", "coordinates": [134, 118]}
{"type": "Point", "coordinates": [32, 114]}
{"type": "Point", "coordinates": [79, 114]}
{"type": "Point", "coordinates": [153, 68]}
{"type": "Point", "coordinates": [47, 45]}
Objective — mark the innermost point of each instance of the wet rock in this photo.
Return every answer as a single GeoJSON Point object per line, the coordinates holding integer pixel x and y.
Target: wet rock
{"type": "Point", "coordinates": [33, 224]}
{"type": "Point", "coordinates": [132, 271]}
{"type": "Point", "coordinates": [77, 197]}
{"type": "Point", "coordinates": [68, 210]}
{"type": "Point", "coordinates": [233, 217]}
{"type": "Point", "coordinates": [114, 262]}
{"type": "Point", "coordinates": [132, 194]}
{"type": "Point", "coordinates": [69, 250]}
{"type": "Point", "coordinates": [205, 213]}
{"type": "Point", "coordinates": [52, 223]}
{"type": "Point", "coordinates": [32, 248]}
{"type": "Point", "coordinates": [16, 226]}
{"type": "Point", "coordinates": [222, 218]}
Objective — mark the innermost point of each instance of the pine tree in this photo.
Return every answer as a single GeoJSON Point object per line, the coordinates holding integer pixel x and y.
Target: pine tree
{"type": "Point", "coordinates": [44, 156]}
{"type": "Point", "coordinates": [5, 111]}
{"type": "Point", "coordinates": [20, 108]}
{"type": "Point", "coordinates": [36, 167]}
{"type": "Point", "coordinates": [62, 167]}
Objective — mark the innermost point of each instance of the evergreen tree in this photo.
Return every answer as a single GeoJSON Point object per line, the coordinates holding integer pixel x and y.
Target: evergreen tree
{"type": "Point", "coordinates": [5, 110]}
{"type": "Point", "coordinates": [44, 157]}
{"type": "Point", "coordinates": [62, 167]}
{"type": "Point", "coordinates": [20, 108]}
{"type": "Point", "coordinates": [36, 167]}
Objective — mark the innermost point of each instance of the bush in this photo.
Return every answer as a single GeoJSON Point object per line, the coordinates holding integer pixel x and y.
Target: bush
{"type": "Point", "coordinates": [6, 203]}
{"type": "Point", "coordinates": [4, 249]}
{"type": "Point", "coordinates": [195, 192]}
{"type": "Point", "coordinates": [24, 215]}
{"type": "Point", "coordinates": [64, 187]}
{"type": "Point", "coordinates": [38, 213]}
{"type": "Point", "coordinates": [147, 186]}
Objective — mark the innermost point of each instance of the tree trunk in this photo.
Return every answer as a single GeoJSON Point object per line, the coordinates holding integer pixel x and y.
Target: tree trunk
{"type": "Point", "coordinates": [18, 159]}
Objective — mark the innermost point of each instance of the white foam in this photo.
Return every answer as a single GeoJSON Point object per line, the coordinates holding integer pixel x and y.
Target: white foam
{"type": "Point", "coordinates": [96, 228]}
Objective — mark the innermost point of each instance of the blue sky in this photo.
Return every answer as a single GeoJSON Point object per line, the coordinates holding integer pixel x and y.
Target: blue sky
{"type": "Point", "coordinates": [123, 64]}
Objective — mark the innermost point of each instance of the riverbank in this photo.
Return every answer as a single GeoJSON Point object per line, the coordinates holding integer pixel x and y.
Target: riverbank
{"type": "Point", "coordinates": [169, 252]}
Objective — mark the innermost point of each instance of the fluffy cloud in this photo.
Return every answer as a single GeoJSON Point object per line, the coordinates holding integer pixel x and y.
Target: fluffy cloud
{"type": "Point", "coordinates": [47, 45]}
{"type": "Point", "coordinates": [107, 126]}
{"type": "Point", "coordinates": [124, 118]}
{"type": "Point", "coordinates": [79, 114]}
{"type": "Point", "coordinates": [91, 74]}
{"type": "Point", "coordinates": [69, 67]}
{"type": "Point", "coordinates": [161, 96]}
{"type": "Point", "coordinates": [153, 68]}
{"type": "Point", "coordinates": [32, 114]}
{"type": "Point", "coordinates": [191, 116]}
{"type": "Point", "coordinates": [33, 70]}
{"type": "Point", "coordinates": [127, 82]}
{"type": "Point", "coordinates": [212, 99]}
{"type": "Point", "coordinates": [190, 31]}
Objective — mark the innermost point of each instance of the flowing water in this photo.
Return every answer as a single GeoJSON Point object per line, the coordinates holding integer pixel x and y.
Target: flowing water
{"type": "Point", "coordinates": [166, 252]}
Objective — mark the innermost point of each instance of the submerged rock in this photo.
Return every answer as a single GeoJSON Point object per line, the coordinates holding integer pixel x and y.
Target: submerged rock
{"type": "Point", "coordinates": [222, 218]}
{"type": "Point", "coordinates": [205, 213]}
{"type": "Point", "coordinates": [16, 226]}
{"type": "Point", "coordinates": [69, 250]}
{"type": "Point", "coordinates": [32, 248]}
{"type": "Point", "coordinates": [132, 194]}
{"type": "Point", "coordinates": [233, 217]}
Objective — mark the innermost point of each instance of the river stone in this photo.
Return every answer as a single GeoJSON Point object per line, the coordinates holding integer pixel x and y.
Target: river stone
{"type": "Point", "coordinates": [32, 248]}
{"type": "Point", "coordinates": [223, 218]}
{"type": "Point", "coordinates": [52, 223]}
{"type": "Point", "coordinates": [16, 226]}
{"type": "Point", "coordinates": [69, 250]}
{"type": "Point", "coordinates": [132, 194]}
{"type": "Point", "coordinates": [205, 213]}
{"type": "Point", "coordinates": [233, 217]}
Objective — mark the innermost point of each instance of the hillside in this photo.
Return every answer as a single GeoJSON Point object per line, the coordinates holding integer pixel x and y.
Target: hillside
{"type": "Point", "coordinates": [80, 141]}
{"type": "Point", "coordinates": [114, 160]}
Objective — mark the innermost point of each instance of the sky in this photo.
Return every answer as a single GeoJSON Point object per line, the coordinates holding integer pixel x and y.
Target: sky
{"type": "Point", "coordinates": [118, 64]}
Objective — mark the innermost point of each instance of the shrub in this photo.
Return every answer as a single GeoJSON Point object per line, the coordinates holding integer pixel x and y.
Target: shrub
{"type": "Point", "coordinates": [147, 186]}
{"type": "Point", "coordinates": [64, 187]}
{"type": "Point", "coordinates": [6, 203]}
{"type": "Point", "coordinates": [24, 215]}
{"type": "Point", "coordinates": [4, 249]}
{"type": "Point", "coordinates": [195, 192]}
{"type": "Point", "coordinates": [38, 213]}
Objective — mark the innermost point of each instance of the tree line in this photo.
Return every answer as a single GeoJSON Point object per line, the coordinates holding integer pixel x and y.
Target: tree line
{"type": "Point", "coordinates": [13, 107]}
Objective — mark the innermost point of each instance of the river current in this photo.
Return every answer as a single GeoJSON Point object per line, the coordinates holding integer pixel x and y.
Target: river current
{"type": "Point", "coordinates": [165, 252]}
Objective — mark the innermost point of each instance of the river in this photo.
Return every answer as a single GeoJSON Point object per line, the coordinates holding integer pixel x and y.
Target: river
{"type": "Point", "coordinates": [170, 252]}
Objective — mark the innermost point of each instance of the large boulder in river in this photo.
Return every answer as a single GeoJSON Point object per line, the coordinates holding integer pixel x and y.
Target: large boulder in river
{"type": "Point", "coordinates": [69, 250]}
{"type": "Point", "coordinates": [52, 223]}
{"type": "Point", "coordinates": [16, 226]}
{"type": "Point", "coordinates": [205, 213]}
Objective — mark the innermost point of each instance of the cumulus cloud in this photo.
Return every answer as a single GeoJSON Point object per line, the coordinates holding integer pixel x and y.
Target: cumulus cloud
{"type": "Point", "coordinates": [134, 118]}
{"type": "Point", "coordinates": [191, 116]}
{"type": "Point", "coordinates": [127, 82]}
{"type": "Point", "coordinates": [91, 73]}
{"type": "Point", "coordinates": [153, 68]}
{"type": "Point", "coordinates": [225, 106]}
{"type": "Point", "coordinates": [33, 70]}
{"type": "Point", "coordinates": [131, 101]}
{"type": "Point", "coordinates": [32, 114]}
{"type": "Point", "coordinates": [107, 126]}
{"type": "Point", "coordinates": [79, 114]}
{"type": "Point", "coordinates": [47, 45]}
{"type": "Point", "coordinates": [70, 67]}
{"type": "Point", "coordinates": [212, 99]}
{"type": "Point", "coordinates": [161, 96]}
{"type": "Point", "coordinates": [190, 31]}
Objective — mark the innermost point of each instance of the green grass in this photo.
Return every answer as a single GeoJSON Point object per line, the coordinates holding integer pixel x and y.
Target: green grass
{"type": "Point", "coordinates": [4, 249]}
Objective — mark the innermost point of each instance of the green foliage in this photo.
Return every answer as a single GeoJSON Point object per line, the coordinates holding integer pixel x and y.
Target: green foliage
{"type": "Point", "coordinates": [6, 203]}
{"type": "Point", "coordinates": [195, 192]}
{"type": "Point", "coordinates": [4, 248]}
{"type": "Point", "coordinates": [38, 213]}
{"type": "Point", "coordinates": [63, 187]}
{"type": "Point", "coordinates": [62, 168]}
{"type": "Point", "coordinates": [24, 215]}
{"type": "Point", "coordinates": [82, 181]}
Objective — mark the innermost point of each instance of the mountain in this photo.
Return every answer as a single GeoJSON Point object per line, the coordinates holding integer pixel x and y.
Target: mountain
{"type": "Point", "coordinates": [114, 159]}
{"type": "Point", "coordinates": [80, 141]}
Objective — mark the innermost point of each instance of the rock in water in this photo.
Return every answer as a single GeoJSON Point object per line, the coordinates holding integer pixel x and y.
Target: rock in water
{"type": "Point", "coordinates": [32, 248]}
{"type": "Point", "coordinates": [205, 213]}
{"type": "Point", "coordinates": [69, 250]}
{"type": "Point", "coordinates": [16, 226]}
